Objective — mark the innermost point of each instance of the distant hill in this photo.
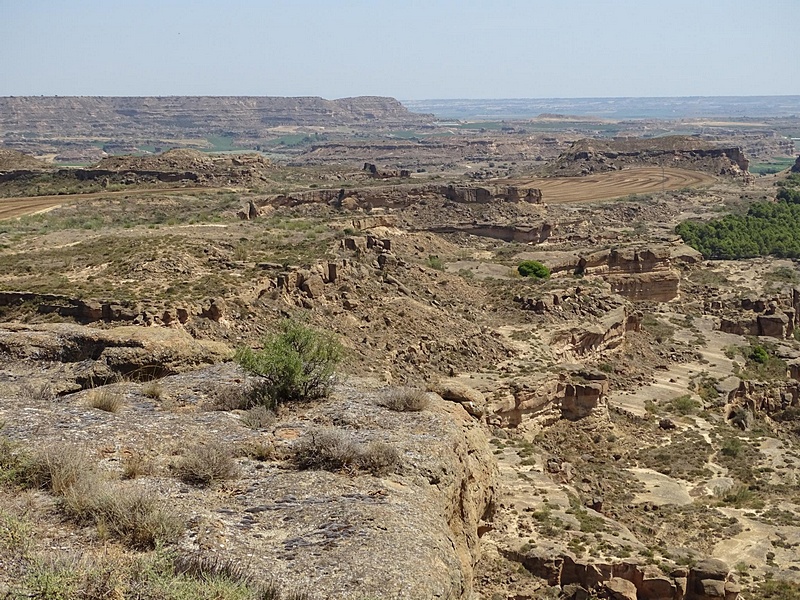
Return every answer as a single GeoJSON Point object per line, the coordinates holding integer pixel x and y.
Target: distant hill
{"type": "Point", "coordinates": [190, 116]}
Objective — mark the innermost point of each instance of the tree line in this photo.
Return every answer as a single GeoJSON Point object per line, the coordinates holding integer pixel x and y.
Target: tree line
{"type": "Point", "coordinates": [768, 228]}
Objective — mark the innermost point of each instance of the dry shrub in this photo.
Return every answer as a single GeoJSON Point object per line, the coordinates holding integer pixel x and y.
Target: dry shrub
{"type": "Point", "coordinates": [258, 417]}
{"type": "Point", "coordinates": [138, 518]}
{"type": "Point", "coordinates": [406, 400]}
{"type": "Point", "coordinates": [258, 450]}
{"type": "Point", "coordinates": [105, 399]}
{"type": "Point", "coordinates": [153, 389]}
{"type": "Point", "coordinates": [37, 392]}
{"type": "Point", "coordinates": [207, 464]}
{"type": "Point", "coordinates": [61, 468]}
{"type": "Point", "coordinates": [335, 450]}
{"type": "Point", "coordinates": [378, 458]}
{"type": "Point", "coordinates": [231, 397]}
{"type": "Point", "coordinates": [136, 464]}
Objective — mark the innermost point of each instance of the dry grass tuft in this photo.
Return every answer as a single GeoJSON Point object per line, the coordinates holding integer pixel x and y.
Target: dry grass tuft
{"type": "Point", "coordinates": [406, 400]}
{"type": "Point", "coordinates": [105, 399]}
{"type": "Point", "coordinates": [136, 464]}
{"type": "Point", "coordinates": [207, 464]}
{"type": "Point", "coordinates": [153, 389]}
{"type": "Point", "coordinates": [231, 397]}
{"type": "Point", "coordinates": [335, 450]}
{"type": "Point", "coordinates": [42, 392]}
{"type": "Point", "coordinates": [138, 518]}
{"type": "Point", "coordinates": [258, 417]}
{"type": "Point", "coordinates": [258, 450]}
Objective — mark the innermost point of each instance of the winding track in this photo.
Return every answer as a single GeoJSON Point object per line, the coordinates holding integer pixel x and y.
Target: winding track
{"type": "Point", "coordinates": [615, 184]}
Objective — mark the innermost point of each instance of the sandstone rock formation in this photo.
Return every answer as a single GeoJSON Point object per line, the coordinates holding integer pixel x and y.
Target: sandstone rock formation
{"type": "Point", "coordinates": [709, 579]}
{"type": "Point", "coordinates": [93, 356]}
{"type": "Point", "coordinates": [775, 317]}
{"type": "Point", "coordinates": [595, 156]}
{"type": "Point", "coordinates": [402, 195]}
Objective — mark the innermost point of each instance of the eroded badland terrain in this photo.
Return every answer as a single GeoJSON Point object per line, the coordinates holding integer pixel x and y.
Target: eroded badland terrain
{"type": "Point", "coordinates": [625, 428]}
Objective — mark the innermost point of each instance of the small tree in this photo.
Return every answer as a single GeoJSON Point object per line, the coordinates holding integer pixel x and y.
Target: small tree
{"type": "Point", "coordinates": [295, 364]}
{"type": "Point", "coordinates": [533, 268]}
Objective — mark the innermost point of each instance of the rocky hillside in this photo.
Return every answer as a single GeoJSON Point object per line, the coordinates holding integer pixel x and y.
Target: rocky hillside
{"type": "Point", "coordinates": [597, 156]}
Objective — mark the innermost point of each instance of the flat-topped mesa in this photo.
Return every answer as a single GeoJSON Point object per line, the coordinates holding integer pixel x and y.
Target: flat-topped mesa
{"type": "Point", "coordinates": [596, 156]}
{"type": "Point", "coordinates": [406, 195]}
{"type": "Point", "coordinates": [191, 116]}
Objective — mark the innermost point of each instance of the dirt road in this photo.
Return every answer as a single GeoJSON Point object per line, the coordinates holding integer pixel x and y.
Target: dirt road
{"type": "Point", "coordinates": [11, 208]}
{"type": "Point", "coordinates": [604, 186]}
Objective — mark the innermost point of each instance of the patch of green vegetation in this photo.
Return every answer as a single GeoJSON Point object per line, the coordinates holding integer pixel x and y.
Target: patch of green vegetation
{"type": "Point", "coordinates": [783, 275]}
{"type": "Point", "coordinates": [705, 386]}
{"type": "Point", "coordinates": [483, 125]}
{"type": "Point", "coordinates": [740, 458]}
{"type": "Point", "coordinates": [434, 262]}
{"type": "Point", "coordinates": [682, 405]}
{"type": "Point", "coordinates": [777, 589]}
{"type": "Point", "coordinates": [771, 166]}
{"type": "Point", "coordinates": [660, 330]}
{"type": "Point", "coordinates": [739, 496]}
{"type": "Point", "coordinates": [768, 228]}
{"type": "Point", "coordinates": [295, 364]}
{"type": "Point", "coordinates": [685, 456]}
{"type": "Point", "coordinates": [533, 268]}
{"type": "Point", "coordinates": [223, 143]}
{"type": "Point", "coordinates": [761, 364]}
{"type": "Point", "coordinates": [294, 139]}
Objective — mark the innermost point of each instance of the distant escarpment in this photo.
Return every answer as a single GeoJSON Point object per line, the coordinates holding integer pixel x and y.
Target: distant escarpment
{"type": "Point", "coordinates": [596, 156]}
{"type": "Point", "coordinates": [191, 114]}
{"type": "Point", "coordinates": [127, 119]}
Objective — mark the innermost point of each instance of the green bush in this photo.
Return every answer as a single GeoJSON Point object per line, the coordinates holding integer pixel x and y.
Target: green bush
{"type": "Point", "coordinates": [296, 364]}
{"type": "Point", "coordinates": [434, 262]}
{"type": "Point", "coordinates": [533, 268]}
{"type": "Point", "coordinates": [759, 354]}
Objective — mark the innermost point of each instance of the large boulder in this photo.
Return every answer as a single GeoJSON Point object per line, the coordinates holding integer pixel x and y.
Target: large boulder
{"type": "Point", "coordinates": [620, 589]}
{"type": "Point", "coordinates": [473, 401]}
{"type": "Point", "coordinates": [707, 581]}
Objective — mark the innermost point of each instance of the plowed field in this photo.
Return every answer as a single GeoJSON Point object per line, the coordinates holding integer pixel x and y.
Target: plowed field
{"type": "Point", "coordinates": [604, 186]}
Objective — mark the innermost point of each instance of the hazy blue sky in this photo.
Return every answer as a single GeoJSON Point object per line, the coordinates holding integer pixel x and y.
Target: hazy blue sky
{"type": "Point", "coordinates": [409, 49]}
